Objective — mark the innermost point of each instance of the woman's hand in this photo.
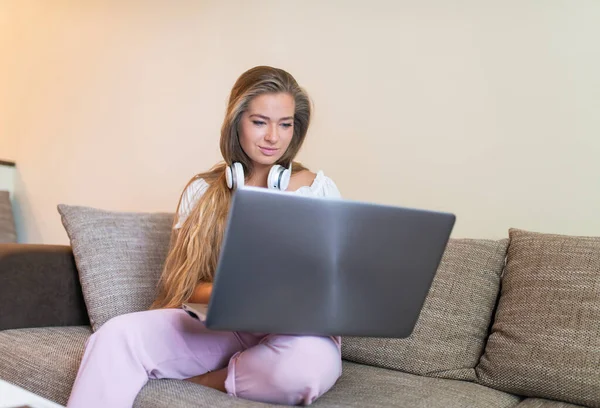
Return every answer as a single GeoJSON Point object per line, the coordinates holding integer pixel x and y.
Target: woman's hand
{"type": "Point", "coordinates": [201, 293]}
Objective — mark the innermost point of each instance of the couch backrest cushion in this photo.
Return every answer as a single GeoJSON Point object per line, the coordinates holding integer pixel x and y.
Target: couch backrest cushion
{"type": "Point", "coordinates": [545, 339]}
{"type": "Point", "coordinates": [450, 333]}
{"type": "Point", "coordinates": [119, 257]}
{"type": "Point", "coordinates": [8, 233]}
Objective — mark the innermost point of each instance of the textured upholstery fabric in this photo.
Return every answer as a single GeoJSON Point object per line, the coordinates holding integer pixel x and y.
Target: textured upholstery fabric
{"type": "Point", "coordinates": [183, 394]}
{"type": "Point", "coordinates": [366, 386]}
{"type": "Point", "coordinates": [360, 386]}
{"type": "Point", "coordinates": [46, 273]}
{"type": "Point", "coordinates": [8, 232]}
{"type": "Point", "coordinates": [544, 403]}
{"type": "Point", "coordinates": [545, 340]}
{"type": "Point", "coordinates": [450, 334]}
{"type": "Point", "coordinates": [43, 360]}
{"type": "Point", "coordinates": [119, 257]}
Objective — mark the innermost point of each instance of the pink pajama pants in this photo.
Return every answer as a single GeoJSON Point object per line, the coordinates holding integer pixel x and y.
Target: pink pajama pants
{"type": "Point", "coordinates": [130, 349]}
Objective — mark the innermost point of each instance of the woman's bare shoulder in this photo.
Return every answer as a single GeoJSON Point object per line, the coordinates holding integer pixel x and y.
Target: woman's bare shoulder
{"type": "Point", "coordinates": [303, 178]}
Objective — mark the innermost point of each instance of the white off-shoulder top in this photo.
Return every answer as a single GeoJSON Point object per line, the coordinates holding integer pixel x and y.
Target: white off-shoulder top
{"type": "Point", "coordinates": [322, 186]}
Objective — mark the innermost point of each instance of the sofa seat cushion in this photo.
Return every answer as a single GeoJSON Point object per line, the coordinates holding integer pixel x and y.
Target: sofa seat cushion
{"type": "Point", "coordinates": [360, 386]}
{"type": "Point", "coordinates": [368, 386]}
{"type": "Point", "coordinates": [450, 334]}
{"type": "Point", "coordinates": [544, 403]}
{"type": "Point", "coordinates": [43, 360]}
{"type": "Point", "coordinates": [544, 341]}
{"type": "Point", "coordinates": [183, 394]}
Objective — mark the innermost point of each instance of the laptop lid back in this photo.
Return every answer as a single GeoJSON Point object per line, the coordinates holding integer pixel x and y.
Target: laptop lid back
{"type": "Point", "coordinates": [293, 264]}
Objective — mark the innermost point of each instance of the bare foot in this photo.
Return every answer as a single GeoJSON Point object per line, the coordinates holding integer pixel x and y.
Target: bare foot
{"type": "Point", "coordinates": [212, 379]}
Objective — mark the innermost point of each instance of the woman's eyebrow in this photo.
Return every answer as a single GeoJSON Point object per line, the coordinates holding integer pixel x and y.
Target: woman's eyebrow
{"type": "Point", "coordinates": [268, 118]}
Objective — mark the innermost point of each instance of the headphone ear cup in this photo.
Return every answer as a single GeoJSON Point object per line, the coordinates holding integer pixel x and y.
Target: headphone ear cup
{"type": "Point", "coordinates": [229, 177]}
{"type": "Point", "coordinates": [274, 176]}
{"type": "Point", "coordinates": [238, 178]}
{"type": "Point", "coordinates": [279, 177]}
{"type": "Point", "coordinates": [235, 175]}
{"type": "Point", "coordinates": [285, 178]}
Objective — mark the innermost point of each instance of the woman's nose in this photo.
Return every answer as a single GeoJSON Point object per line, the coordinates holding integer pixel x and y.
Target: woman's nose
{"type": "Point", "coordinates": [272, 134]}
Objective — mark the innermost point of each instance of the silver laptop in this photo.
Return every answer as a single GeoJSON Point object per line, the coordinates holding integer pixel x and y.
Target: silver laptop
{"type": "Point", "coordinates": [292, 264]}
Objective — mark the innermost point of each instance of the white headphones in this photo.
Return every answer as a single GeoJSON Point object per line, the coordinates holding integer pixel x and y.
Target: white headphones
{"type": "Point", "coordinates": [278, 179]}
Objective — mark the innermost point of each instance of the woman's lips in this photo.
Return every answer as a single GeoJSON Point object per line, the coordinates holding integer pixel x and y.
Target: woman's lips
{"type": "Point", "coordinates": [267, 151]}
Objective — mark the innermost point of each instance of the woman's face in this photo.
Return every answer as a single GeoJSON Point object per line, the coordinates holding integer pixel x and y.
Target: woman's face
{"type": "Point", "coordinates": [266, 127]}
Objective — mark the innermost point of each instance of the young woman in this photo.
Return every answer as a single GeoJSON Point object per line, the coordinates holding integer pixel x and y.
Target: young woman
{"type": "Point", "coordinates": [265, 125]}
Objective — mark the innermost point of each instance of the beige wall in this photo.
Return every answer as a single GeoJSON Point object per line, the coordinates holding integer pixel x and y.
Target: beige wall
{"type": "Point", "coordinates": [486, 109]}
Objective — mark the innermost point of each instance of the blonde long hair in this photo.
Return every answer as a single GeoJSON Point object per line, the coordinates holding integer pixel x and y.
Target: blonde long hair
{"type": "Point", "coordinates": [195, 247]}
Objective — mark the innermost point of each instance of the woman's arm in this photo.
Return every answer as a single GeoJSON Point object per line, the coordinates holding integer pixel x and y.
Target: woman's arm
{"type": "Point", "coordinates": [201, 293]}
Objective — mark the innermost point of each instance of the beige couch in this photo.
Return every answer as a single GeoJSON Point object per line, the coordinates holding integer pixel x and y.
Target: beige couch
{"type": "Point", "coordinates": [508, 323]}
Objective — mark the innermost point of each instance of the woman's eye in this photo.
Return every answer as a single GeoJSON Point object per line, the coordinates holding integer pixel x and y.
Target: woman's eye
{"type": "Point", "coordinates": [286, 125]}
{"type": "Point", "coordinates": [258, 122]}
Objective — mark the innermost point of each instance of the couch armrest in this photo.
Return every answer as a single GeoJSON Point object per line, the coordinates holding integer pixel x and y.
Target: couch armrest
{"type": "Point", "coordinates": [39, 286]}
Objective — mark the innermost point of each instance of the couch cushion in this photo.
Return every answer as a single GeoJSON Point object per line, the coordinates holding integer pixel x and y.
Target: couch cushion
{"type": "Point", "coordinates": [367, 386]}
{"type": "Point", "coordinates": [545, 339]}
{"type": "Point", "coordinates": [8, 231]}
{"type": "Point", "coordinates": [43, 360]}
{"type": "Point", "coordinates": [119, 257]}
{"type": "Point", "coordinates": [544, 403]}
{"type": "Point", "coordinates": [183, 394]}
{"type": "Point", "coordinates": [360, 386]}
{"type": "Point", "coordinates": [450, 333]}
